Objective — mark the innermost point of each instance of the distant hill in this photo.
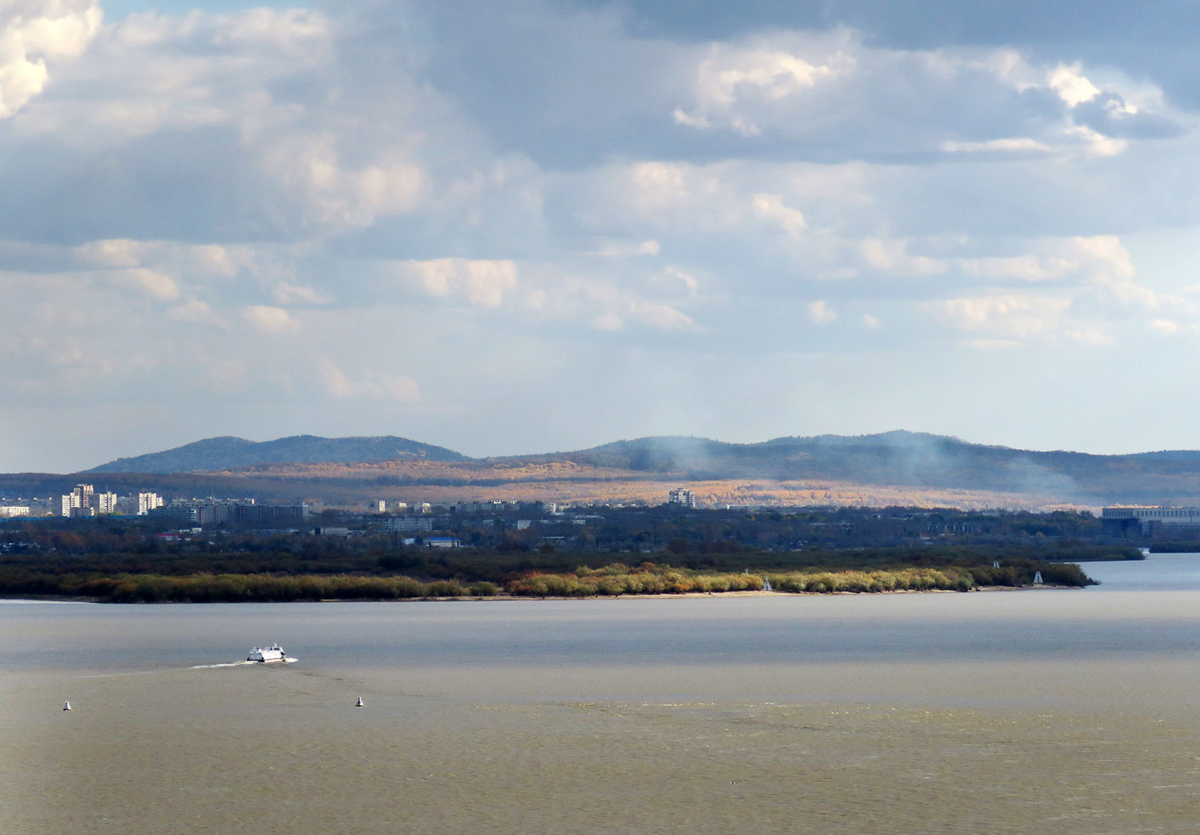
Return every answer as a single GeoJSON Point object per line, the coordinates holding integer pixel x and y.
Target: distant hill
{"type": "Point", "coordinates": [229, 453]}
{"type": "Point", "coordinates": [888, 468]}
{"type": "Point", "coordinates": [911, 459]}
{"type": "Point", "coordinates": [900, 457]}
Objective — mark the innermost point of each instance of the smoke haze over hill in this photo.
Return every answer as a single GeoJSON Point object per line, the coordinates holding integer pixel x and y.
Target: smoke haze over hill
{"type": "Point", "coordinates": [891, 467]}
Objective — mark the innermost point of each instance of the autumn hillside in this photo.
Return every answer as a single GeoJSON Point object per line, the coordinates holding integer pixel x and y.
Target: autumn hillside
{"type": "Point", "coordinates": [891, 468]}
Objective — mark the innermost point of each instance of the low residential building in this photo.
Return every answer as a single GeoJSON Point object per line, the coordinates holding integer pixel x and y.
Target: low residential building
{"type": "Point", "coordinates": [410, 523]}
{"type": "Point", "coordinates": [443, 542]}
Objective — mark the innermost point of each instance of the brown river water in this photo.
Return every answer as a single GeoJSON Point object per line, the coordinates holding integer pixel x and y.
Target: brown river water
{"type": "Point", "coordinates": [1009, 712]}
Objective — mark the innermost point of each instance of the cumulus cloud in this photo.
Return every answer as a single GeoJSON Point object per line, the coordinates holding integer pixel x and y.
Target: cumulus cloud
{"type": "Point", "coordinates": [1071, 85]}
{"type": "Point", "coordinates": [270, 320]}
{"type": "Point", "coordinates": [197, 312]}
{"type": "Point", "coordinates": [617, 249]}
{"type": "Point", "coordinates": [33, 32]}
{"type": "Point", "coordinates": [155, 284]}
{"type": "Point", "coordinates": [891, 256]}
{"type": "Point", "coordinates": [820, 313]}
{"type": "Point", "coordinates": [482, 283]}
{"type": "Point", "coordinates": [1005, 145]}
{"type": "Point", "coordinates": [286, 293]}
{"type": "Point", "coordinates": [308, 167]}
{"type": "Point", "coordinates": [734, 83]}
{"type": "Point", "coordinates": [770, 207]}
{"type": "Point", "coordinates": [1006, 315]}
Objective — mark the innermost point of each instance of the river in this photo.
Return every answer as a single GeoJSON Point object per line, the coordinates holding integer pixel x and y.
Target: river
{"type": "Point", "coordinates": [1004, 712]}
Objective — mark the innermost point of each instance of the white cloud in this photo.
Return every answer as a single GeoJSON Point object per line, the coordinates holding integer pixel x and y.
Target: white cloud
{"type": "Point", "coordinates": [819, 313]}
{"type": "Point", "coordinates": [891, 256]}
{"type": "Point", "coordinates": [1009, 145]}
{"type": "Point", "coordinates": [770, 207]}
{"type": "Point", "coordinates": [155, 284]}
{"type": "Point", "coordinates": [619, 249]}
{"type": "Point", "coordinates": [307, 167]}
{"type": "Point", "coordinates": [1071, 85]}
{"type": "Point", "coordinates": [197, 312]}
{"type": "Point", "coordinates": [33, 32]}
{"type": "Point", "coordinates": [733, 83]}
{"type": "Point", "coordinates": [1094, 336]}
{"type": "Point", "coordinates": [672, 277]}
{"type": "Point", "coordinates": [287, 294]}
{"type": "Point", "coordinates": [270, 320]}
{"type": "Point", "coordinates": [1009, 315]}
{"type": "Point", "coordinates": [482, 283]}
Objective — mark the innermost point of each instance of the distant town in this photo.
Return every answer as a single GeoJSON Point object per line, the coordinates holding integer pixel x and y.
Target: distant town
{"type": "Point", "coordinates": [676, 523]}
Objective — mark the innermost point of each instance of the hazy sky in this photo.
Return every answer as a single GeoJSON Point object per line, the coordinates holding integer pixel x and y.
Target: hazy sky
{"type": "Point", "coordinates": [535, 225]}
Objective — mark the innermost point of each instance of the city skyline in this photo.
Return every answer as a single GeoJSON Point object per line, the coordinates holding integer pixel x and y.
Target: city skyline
{"type": "Point", "coordinates": [551, 224]}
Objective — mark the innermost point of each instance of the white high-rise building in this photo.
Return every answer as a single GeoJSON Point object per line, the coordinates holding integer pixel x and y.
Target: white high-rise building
{"type": "Point", "coordinates": [682, 496]}
{"type": "Point", "coordinates": [79, 502]}
{"type": "Point", "coordinates": [148, 502]}
{"type": "Point", "coordinates": [106, 502]}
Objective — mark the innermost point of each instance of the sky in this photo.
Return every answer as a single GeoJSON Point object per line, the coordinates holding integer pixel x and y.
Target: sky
{"type": "Point", "coordinates": [542, 225]}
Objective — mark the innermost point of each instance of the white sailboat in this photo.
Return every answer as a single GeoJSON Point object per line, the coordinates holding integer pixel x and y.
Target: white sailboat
{"type": "Point", "coordinates": [66, 705]}
{"type": "Point", "coordinates": [360, 702]}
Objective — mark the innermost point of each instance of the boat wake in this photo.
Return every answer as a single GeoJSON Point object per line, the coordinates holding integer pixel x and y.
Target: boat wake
{"type": "Point", "coordinates": [288, 660]}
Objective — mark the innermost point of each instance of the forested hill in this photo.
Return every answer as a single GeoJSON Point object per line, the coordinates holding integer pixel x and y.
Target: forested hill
{"type": "Point", "coordinates": [908, 466]}
{"type": "Point", "coordinates": [914, 459]}
{"type": "Point", "coordinates": [228, 453]}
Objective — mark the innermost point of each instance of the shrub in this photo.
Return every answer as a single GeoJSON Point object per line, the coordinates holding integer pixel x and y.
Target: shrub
{"type": "Point", "coordinates": [446, 588]}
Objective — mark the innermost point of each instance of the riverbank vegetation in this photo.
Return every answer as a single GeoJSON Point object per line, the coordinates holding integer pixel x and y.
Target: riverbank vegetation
{"type": "Point", "coordinates": [147, 559]}
{"type": "Point", "coordinates": [609, 581]}
{"type": "Point", "coordinates": [1175, 547]}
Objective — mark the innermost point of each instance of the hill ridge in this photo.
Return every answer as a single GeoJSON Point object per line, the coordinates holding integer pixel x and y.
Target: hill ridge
{"type": "Point", "coordinates": [228, 452]}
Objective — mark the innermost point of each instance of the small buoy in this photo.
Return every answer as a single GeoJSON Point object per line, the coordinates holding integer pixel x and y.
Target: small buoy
{"type": "Point", "coordinates": [360, 702]}
{"type": "Point", "coordinates": [66, 706]}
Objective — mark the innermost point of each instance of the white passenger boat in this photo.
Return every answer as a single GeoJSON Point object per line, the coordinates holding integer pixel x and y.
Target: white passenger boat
{"type": "Point", "coordinates": [267, 654]}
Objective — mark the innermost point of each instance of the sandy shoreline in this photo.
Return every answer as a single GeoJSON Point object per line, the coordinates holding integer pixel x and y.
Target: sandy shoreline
{"type": "Point", "coordinates": [504, 597]}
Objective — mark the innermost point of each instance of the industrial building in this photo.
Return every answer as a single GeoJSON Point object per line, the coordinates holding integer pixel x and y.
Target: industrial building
{"type": "Point", "coordinates": [1149, 521]}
